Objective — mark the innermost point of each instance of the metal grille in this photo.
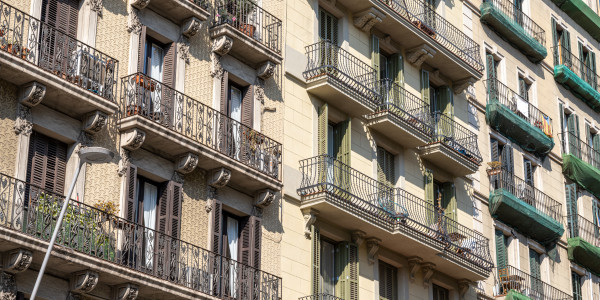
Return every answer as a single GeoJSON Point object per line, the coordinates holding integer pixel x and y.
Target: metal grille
{"type": "Point", "coordinates": [320, 297]}
{"type": "Point", "coordinates": [512, 12]}
{"type": "Point", "coordinates": [457, 137]}
{"type": "Point", "coordinates": [562, 56]}
{"type": "Point", "coordinates": [581, 227]}
{"type": "Point", "coordinates": [510, 278]}
{"type": "Point", "coordinates": [571, 144]}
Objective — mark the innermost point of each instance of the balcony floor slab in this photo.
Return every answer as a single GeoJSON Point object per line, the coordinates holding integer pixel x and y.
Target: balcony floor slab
{"type": "Point", "coordinates": [409, 133]}
{"type": "Point", "coordinates": [328, 89]}
{"type": "Point", "coordinates": [179, 10]}
{"type": "Point", "coordinates": [448, 159]}
{"type": "Point", "coordinates": [244, 47]}
{"type": "Point", "coordinates": [584, 254]}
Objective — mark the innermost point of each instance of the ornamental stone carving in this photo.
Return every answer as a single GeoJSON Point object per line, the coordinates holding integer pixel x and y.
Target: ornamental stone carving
{"type": "Point", "coordinates": [124, 162]}
{"type": "Point", "coordinates": [216, 70]}
{"type": "Point", "coordinates": [132, 139]}
{"type": "Point", "coordinates": [219, 177]}
{"type": "Point", "coordinates": [17, 260]}
{"type": "Point", "coordinates": [183, 47]}
{"type": "Point", "coordinates": [31, 94]}
{"type": "Point", "coordinates": [177, 177]}
{"type": "Point", "coordinates": [140, 4]}
{"type": "Point", "coordinates": [259, 90]}
{"type": "Point", "coordinates": [96, 5]}
{"type": "Point", "coordinates": [463, 288]}
{"type": "Point", "coordinates": [266, 71]}
{"type": "Point", "coordinates": [126, 291]}
{"type": "Point", "coordinates": [94, 122]}
{"type": "Point", "coordinates": [23, 122]}
{"type": "Point", "coordinates": [310, 217]}
{"type": "Point", "coordinates": [186, 163]}
{"type": "Point", "coordinates": [358, 237]}
{"type": "Point", "coordinates": [414, 264]}
{"type": "Point", "coordinates": [372, 249]}
{"type": "Point", "coordinates": [84, 281]}
{"type": "Point", "coordinates": [8, 287]}
{"type": "Point", "coordinates": [134, 25]}
{"type": "Point", "coordinates": [222, 45]}
{"type": "Point", "coordinates": [365, 20]}
{"type": "Point", "coordinates": [428, 269]}
{"type": "Point", "coordinates": [190, 27]}
{"type": "Point", "coordinates": [416, 56]}
{"type": "Point", "coordinates": [264, 198]}
{"type": "Point", "coordinates": [460, 86]}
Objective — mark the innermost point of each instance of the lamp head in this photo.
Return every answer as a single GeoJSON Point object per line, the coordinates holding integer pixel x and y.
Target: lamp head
{"type": "Point", "coordinates": [95, 155]}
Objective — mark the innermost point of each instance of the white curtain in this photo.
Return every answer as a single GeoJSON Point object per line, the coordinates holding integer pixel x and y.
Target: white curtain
{"type": "Point", "coordinates": [236, 114]}
{"type": "Point", "coordinates": [232, 241]}
{"type": "Point", "coordinates": [156, 72]}
{"type": "Point", "coordinates": [150, 199]}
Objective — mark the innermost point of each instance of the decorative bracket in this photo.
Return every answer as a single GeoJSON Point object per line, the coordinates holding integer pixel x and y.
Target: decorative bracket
{"type": "Point", "coordinates": [94, 122]}
{"type": "Point", "coordinates": [183, 47]}
{"type": "Point", "coordinates": [132, 139]}
{"type": "Point", "coordinates": [419, 54]}
{"type": "Point", "coordinates": [96, 5]}
{"type": "Point", "coordinates": [427, 272]}
{"type": "Point", "coordinates": [460, 86]}
{"type": "Point", "coordinates": [17, 260]}
{"type": "Point", "coordinates": [126, 291]}
{"type": "Point", "coordinates": [139, 4]}
{"type": "Point", "coordinates": [186, 163]}
{"type": "Point", "coordinates": [190, 27]}
{"type": "Point", "coordinates": [23, 122]}
{"type": "Point", "coordinates": [358, 237]}
{"type": "Point", "coordinates": [414, 264]}
{"type": "Point", "coordinates": [386, 44]}
{"type": "Point", "coordinates": [264, 198]}
{"type": "Point", "coordinates": [437, 78]}
{"type": "Point", "coordinates": [463, 288]}
{"type": "Point", "coordinates": [222, 45]}
{"type": "Point", "coordinates": [372, 249]}
{"type": "Point", "coordinates": [31, 94]}
{"type": "Point", "coordinates": [266, 71]}
{"type": "Point", "coordinates": [84, 281]}
{"type": "Point", "coordinates": [366, 19]}
{"type": "Point", "coordinates": [310, 217]}
{"type": "Point", "coordinates": [219, 177]}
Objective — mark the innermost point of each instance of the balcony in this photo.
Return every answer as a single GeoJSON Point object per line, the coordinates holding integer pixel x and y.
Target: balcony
{"type": "Point", "coordinates": [515, 118]}
{"type": "Point", "coordinates": [514, 26]}
{"type": "Point", "coordinates": [584, 243]}
{"type": "Point", "coordinates": [581, 163]}
{"type": "Point", "coordinates": [575, 76]}
{"type": "Point", "coordinates": [121, 252]}
{"type": "Point", "coordinates": [255, 34]}
{"type": "Point", "coordinates": [405, 223]}
{"type": "Point", "coordinates": [180, 11]}
{"type": "Point", "coordinates": [403, 117]}
{"type": "Point", "coordinates": [516, 284]}
{"type": "Point", "coordinates": [175, 124]}
{"type": "Point", "coordinates": [522, 206]}
{"type": "Point", "coordinates": [453, 147]}
{"type": "Point", "coordinates": [582, 14]}
{"type": "Point", "coordinates": [78, 79]}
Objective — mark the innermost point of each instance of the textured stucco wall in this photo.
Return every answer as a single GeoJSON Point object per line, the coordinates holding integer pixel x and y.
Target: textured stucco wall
{"type": "Point", "coordinates": [8, 138]}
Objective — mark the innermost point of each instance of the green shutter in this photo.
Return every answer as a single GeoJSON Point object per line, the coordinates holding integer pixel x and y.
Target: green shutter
{"type": "Point", "coordinates": [425, 87]}
{"type": "Point", "coordinates": [387, 282]}
{"type": "Point", "coordinates": [582, 69]}
{"type": "Point", "coordinates": [491, 67]}
{"type": "Point", "coordinates": [535, 272]}
{"type": "Point", "coordinates": [375, 63]}
{"type": "Point", "coordinates": [507, 159]}
{"type": "Point", "coordinates": [571, 199]}
{"type": "Point", "coordinates": [429, 197]}
{"type": "Point", "coordinates": [385, 167]}
{"type": "Point", "coordinates": [316, 260]}
{"type": "Point", "coordinates": [446, 101]}
{"type": "Point", "coordinates": [449, 200]}
{"type": "Point", "coordinates": [322, 129]}
{"type": "Point", "coordinates": [523, 89]}
{"type": "Point", "coordinates": [396, 65]}
{"type": "Point", "coordinates": [596, 210]}
{"type": "Point", "coordinates": [596, 146]}
{"type": "Point", "coordinates": [554, 37]}
{"type": "Point", "coordinates": [346, 262]}
{"type": "Point", "coordinates": [342, 152]}
{"type": "Point", "coordinates": [501, 253]}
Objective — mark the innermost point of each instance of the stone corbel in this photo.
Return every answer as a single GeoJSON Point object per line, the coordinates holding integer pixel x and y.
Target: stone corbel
{"type": "Point", "coordinates": [94, 122]}
{"type": "Point", "coordinates": [331, 7]}
{"type": "Point", "coordinates": [186, 163]}
{"type": "Point", "coordinates": [266, 71]}
{"type": "Point", "coordinates": [460, 86]}
{"type": "Point", "coordinates": [416, 56]}
{"type": "Point", "coordinates": [372, 249]}
{"type": "Point", "coordinates": [310, 217]}
{"type": "Point", "coordinates": [219, 177]}
{"type": "Point", "coordinates": [8, 286]}
{"type": "Point", "coordinates": [139, 4]}
{"type": "Point", "coordinates": [414, 264]}
{"type": "Point", "coordinates": [222, 45]}
{"type": "Point", "coordinates": [358, 237]}
{"type": "Point", "coordinates": [31, 94]}
{"type": "Point", "coordinates": [366, 19]}
{"type": "Point", "coordinates": [124, 162]}
{"type": "Point", "coordinates": [428, 269]}
{"type": "Point", "coordinates": [438, 79]}
{"type": "Point", "coordinates": [134, 25]}
{"type": "Point", "coordinates": [264, 198]}
{"type": "Point", "coordinates": [190, 27]}
{"type": "Point", "coordinates": [126, 291]}
{"type": "Point", "coordinates": [463, 288]}
{"type": "Point", "coordinates": [84, 281]}
{"type": "Point", "coordinates": [183, 47]}
{"type": "Point", "coordinates": [17, 260]}
{"type": "Point", "coordinates": [132, 139]}
{"type": "Point", "coordinates": [96, 5]}
{"type": "Point", "coordinates": [386, 44]}
{"type": "Point", "coordinates": [23, 122]}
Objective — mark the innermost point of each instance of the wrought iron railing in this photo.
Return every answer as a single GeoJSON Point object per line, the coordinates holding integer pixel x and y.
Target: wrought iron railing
{"type": "Point", "coordinates": [205, 4]}
{"type": "Point", "coordinates": [34, 211]}
{"type": "Point", "coordinates": [510, 278]}
{"type": "Point", "coordinates": [52, 50]}
{"type": "Point", "coordinates": [571, 144]}
{"type": "Point", "coordinates": [582, 227]}
{"type": "Point", "coordinates": [499, 92]}
{"type": "Point", "coordinates": [527, 193]}
{"type": "Point", "coordinates": [513, 13]}
{"type": "Point", "coordinates": [424, 17]}
{"type": "Point", "coordinates": [402, 105]}
{"type": "Point", "coordinates": [345, 69]}
{"type": "Point", "coordinates": [563, 56]}
{"type": "Point", "coordinates": [452, 134]}
{"type": "Point", "coordinates": [391, 208]}
{"type": "Point", "coordinates": [251, 20]}
{"type": "Point", "coordinates": [320, 297]}
{"type": "Point", "coordinates": [153, 100]}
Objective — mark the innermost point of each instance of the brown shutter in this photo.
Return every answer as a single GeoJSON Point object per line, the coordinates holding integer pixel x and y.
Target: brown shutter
{"type": "Point", "coordinates": [61, 14]}
{"type": "Point", "coordinates": [170, 65]}
{"type": "Point", "coordinates": [248, 107]}
{"type": "Point", "coordinates": [47, 162]}
{"type": "Point", "coordinates": [224, 92]}
{"type": "Point", "coordinates": [164, 208]}
{"type": "Point", "coordinates": [256, 240]}
{"type": "Point", "coordinates": [130, 186]}
{"type": "Point", "coordinates": [142, 49]}
{"type": "Point", "coordinates": [176, 200]}
{"type": "Point", "coordinates": [50, 12]}
{"type": "Point", "coordinates": [217, 225]}
{"type": "Point", "coordinates": [245, 242]}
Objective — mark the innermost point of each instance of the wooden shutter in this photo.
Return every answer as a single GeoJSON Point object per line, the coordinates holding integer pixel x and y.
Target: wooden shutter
{"type": "Point", "coordinates": [494, 150]}
{"type": "Point", "coordinates": [342, 143]}
{"type": "Point", "coordinates": [176, 200]}
{"type": "Point", "coordinates": [315, 260]}
{"type": "Point", "coordinates": [449, 200]}
{"type": "Point", "coordinates": [225, 93]}
{"type": "Point", "coordinates": [170, 66]}
{"type": "Point", "coordinates": [523, 91]}
{"type": "Point", "coordinates": [216, 226]}
{"type": "Point", "coordinates": [425, 87]}
{"type": "Point", "coordinates": [534, 264]}
{"type": "Point", "coordinates": [596, 146]}
{"type": "Point", "coordinates": [328, 27]}
{"type": "Point", "coordinates": [445, 103]}
{"type": "Point", "coordinates": [507, 159]}
{"type": "Point", "coordinates": [387, 282]}
{"type": "Point", "coordinates": [256, 241]}
{"type": "Point", "coordinates": [248, 107]}
{"type": "Point", "coordinates": [396, 67]}
{"type": "Point", "coordinates": [346, 262]}
{"type": "Point", "coordinates": [429, 196]}
{"type": "Point", "coordinates": [130, 192]}
{"type": "Point", "coordinates": [582, 70]}
{"type": "Point", "coordinates": [571, 199]}
{"type": "Point", "coordinates": [142, 50]}
{"type": "Point", "coordinates": [163, 209]}
{"type": "Point", "coordinates": [47, 162]}
{"type": "Point", "coordinates": [554, 36]}
{"type": "Point", "coordinates": [61, 14]}
{"type": "Point", "coordinates": [322, 129]}
{"type": "Point", "coordinates": [385, 167]}
{"type": "Point", "coordinates": [375, 61]}
{"type": "Point", "coordinates": [501, 253]}
{"type": "Point", "coordinates": [250, 240]}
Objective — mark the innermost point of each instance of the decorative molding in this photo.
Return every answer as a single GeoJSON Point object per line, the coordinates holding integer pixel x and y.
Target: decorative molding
{"type": "Point", "coordinates": [134, 25]}
{"type": "Point", "coordinates": [310, 217]}
{"type": "Point", "coordinates": [358, 237]}
{"type": "Point", "coordinates": [460, 86]}
{"type": "Point", "coordinates": [222, 45]}
{"type": "Point", "coordinates": [8, 287]}
{"type": "Point", "coordinates": [416, 56]}
{"type": "Point", "coordinates": [216, 70]}
{"type": "Point", "coordinates": [32, 93]}
{"type": "Point", "coordinates": [259, 90]}
{"type": "Point", "coordinates": [96, 5]}
{"type": "Point", "coordinates": [183, 47]}
{"type": "Point", "coordinates": [190, 27]}
{"type": "Point", "coordinates": [84, 281]}
{"type": "Point", "coordinates": [437, 78]}
{"type": "Point", "coordinates": [366, 19]}
{"type": "Point", "coordinates": [463, 287]}
{"type": "Point", "coordinates": [264, 198]}
{"type": "Point", "coordinates": [331, 7]}
{"type": "Point", "coordinates": [414, 264]}
{"type": "Point", "coordinates": [428, 269]}
{"type": "Point", "coordinates": [186, 163]}
{"type": "Point", "coordinates": [132, 139]}
{"type": "Point", "coordinates": [95, 121]}
{"type": "Point", "coordinates": [17, 260]}
{"type": "Point", "coordinates": [139, 4]}
{"type": "Point", "coordinates": [177, 177]}
{"type": "Point", "coordinates": [23, 122]}
{"type": "Point", "coordinates": [266, 70]}
{"type": "Point", "coordinates": [372, 249]}
{"type": "Point", "coordinates": [219, 177]}
{"type": "Point", "coordinates": [209, 201]}
{"type": "Point", "coordinates": [124, 162]}
{"type": "Point", "coordinates": [387, 45]}
{"type": "Point", "coordinates": [126, 291]}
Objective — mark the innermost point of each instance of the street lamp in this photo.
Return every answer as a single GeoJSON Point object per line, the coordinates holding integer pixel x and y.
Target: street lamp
{"type": "Point", "coordinates": [92, 155]}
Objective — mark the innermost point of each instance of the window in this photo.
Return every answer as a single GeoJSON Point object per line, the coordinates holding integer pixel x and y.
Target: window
{"type": "Point", "coordinates": [47, 162]}
{"type": "Point", "coordinates": [439, 195]}
{"type": "Point", "coordinates": [388, 282]}
{"type": "Point", "coordinates": [145, 215]}
{"type": "Point", "coordinates": [440, 293]}
{"type": "Point", "coordinates": [588, 70]}
{"type": "Point", "coordinates": [328, 278]}
{"type": "Point", "coordinates": [61, 14]}
{"type": "Point", "coordinates": [535, 263]}
{"type": "Point", "coordinates": [157, 60]}
{"type": "Point", "coordinates": [328, 27]}
{"type": "Point", "coordinates": [501, 250]}
{"type": "Point", "coordinates": [524, 87]}
{"type": "Point", "coordinates": [385, 167]}
{"type": "Point", "coordinates": [576, 281]}
{"type": "Point", "coordinates": [335, 267]}
{"type": "Point", "coordinates": [571, 196]}
{"type": "Point", "coordinates": [529, 169]}
{"type": "Point", "coordinates": [571, 133]}
{"type": "Point", "coordinates": [492, 67]}
{"type": "Point", "coordinates": [502, 153]}
{"type": "Point", "coordinates": [561, 40]}
{"type": "Point", "coordinates": [154, 59]}
{"type": "Point", "coordinates": [518, 12]}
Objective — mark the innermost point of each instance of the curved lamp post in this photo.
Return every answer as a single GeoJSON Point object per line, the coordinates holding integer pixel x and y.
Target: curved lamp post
{"type": "Point", "coordinates": [92, 155]}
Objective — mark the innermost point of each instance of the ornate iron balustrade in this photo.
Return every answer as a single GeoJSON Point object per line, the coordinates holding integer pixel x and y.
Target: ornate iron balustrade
{"type": "Point", "coordinates": [501, 93]}
{"type": "Point", "coordinates": [571, 144]}
{"type": "Point", "coordinates": [347, 70]}
{"type": "Point", "coordinates": [205, 4]}
{"type": "Point", "coordinates": [510, 278]}
{"type": "Point", "coordinates": [404, 105]}
{"type": "Point", "coordinates": [392, 208]}
{"type": "Point", "coordinates": [320, 297]}
{"type": "Point", "coordinates": [527, 193]}
{"type": "Point", "coordinates": [251, 20]}
{"type": "Point", "coordinates": [424, 17]}
{"type": "Point", "coordinates": [581, 227]}
{"type": "Point", "coordinates": [455, 136]}
{"type": "Point", "coordinates": [34, 211]}
{"type": "Point", "coordinates": [52, 50]}
{"type": "Point", "coordinates": [153, 100]}
{"type": "Point", "coordinates": [562, 56]}
{"type": "Point", "coordinates": [512, 12]}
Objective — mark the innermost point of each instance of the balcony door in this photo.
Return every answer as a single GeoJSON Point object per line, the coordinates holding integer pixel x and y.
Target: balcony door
{"type": "Point", "coordinates": [58, 36]}
{"type": "Point", "coordinates": [535, 262]}
{"type": "Point", "coordinates": [153, 67]}
{"type": "Point", "coordinates": [588, 67]}
{"type": "Point", "coordinates": [328, 35]}
{"type": "Point", "coordinates": [561, 42]}
{"type": "Point", "coordinates": [147, 201]}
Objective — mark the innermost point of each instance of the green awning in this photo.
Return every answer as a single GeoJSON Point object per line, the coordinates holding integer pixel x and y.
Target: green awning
{"type": "Point", "coordinates": [577, 86]}
{"type": "Point", "coordinates": [511, 31]}
{"type": "Point", "coordinates": [514, 295]}
{"type": "Point", "coordinates": [582, 173]}
{"type": "Point", "coordinates": [516, 129]}
{"type": "Point", "coordinates": [582, 14]}
{"type": "Point", "coordinates": [584, 254]}
{"type": "Point", "coordinates": [525, 218]}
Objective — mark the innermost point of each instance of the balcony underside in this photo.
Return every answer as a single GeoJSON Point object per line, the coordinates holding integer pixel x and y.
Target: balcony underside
{"type": "Point", "coordinates": [61, 95]}
{"type": "Point", "coordinates": [338, 94]}
{"type": "Point", "coordinates": [514, 295]}
{"type": "Point", "coordinates": [578, 86]}
{"type": "Point", "coordinates": [179, 10]}
{"type": "Point", "coordinates": [449, 159]}
{"type": "Point", "coordinates": [582, 173]}
{"type": "Point", "coordinates": [245, 48]}
{"type": "Point", "coordinates": [409, 133]}
{"type": "Point", "coordinates": [399, 238]}
{"type": "Point", "coordinates": [518, 130]}
{"type": "Point", "coordinates": [170, 144]}
{"type": "Point", "coordinates": [582, 14]}
{"type": "Point", "coordinates": [511, 210]}
{"type": "Point", "coordinates": [512, 32]}
{"type": "Point", "coordinates": [584, 254]}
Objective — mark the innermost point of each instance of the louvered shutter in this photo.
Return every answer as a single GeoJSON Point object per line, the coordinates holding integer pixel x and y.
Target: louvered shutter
{"type": "Point", "coordinates": [315, 260]}
{"type": "Point", "coordinates": [445, 104]}
{"type": "Point", "coordinates": [130, 192]}
{"type": "Point", "coordinates": [567, 46]}
{"type": "Point", "coordinates": [170, 65]}
{"type": "Point", "coordinates": [449, 201]}
{"type": "Point", "coordinates": [385, 167]}
{"type": "Point", "coordinates": [387, 282]}
{"type": "Point", "coordinates": [594, 80]}
{"type": "Point", "coordinates": [322, 130]}
{"type": "Point", "coordinates": [248, 106]}
{"type": "Point", "coordinates": [554, 36]}
{"type": "Point", "coordinates": [225, 93]}
{"type": "Point", "coordinates": [588, 134]}
{"type": "Point", "coordinates": [142, 50]}
{"type": "Point", "coordinates": [256, 241]}
{"type": "Point", "coordinates": [245, 255]}
{"type": "Point", "coordinates": [164, 209]}
{"type": "Point", "coordinates": [507, 159]}
{"type": "Point", "coordinates": [494, 149]}
{"type": "Point", "coordinates": [375, 59]}
{"type": "Point", "coordinates": [425, 87]}
{"type": "Point", "coordinates": [535, 272]}
{"type": "Point", "coordinates": [491, 67]}
{"type": "Point", "coordinates": [571, 199]}
{"type": "Point", "coordinates": [346, 262]}
{"type": "Point", "coordinates": [429, 196]}
{"type": "Point", "coordinates": [396, 65]}
{"type": "Point", "coordinates": [342, 142]}
{"type": "Point", "coordinates": [353, 271]}
{"type": "Point", "coordinates": [596, 211]}
{"type": "Point", "coordinates": [596, 146]}
{"type": "Point", "coordinates": [523, 89]}
{"type": "Point", "coordinates": [582, 69]}
{"type": "Point", "coordinates": [47, 162]}
{"type": "Point", "coordinates": [501, 253]}
{"type": "Point", "coordinates": [176, 200]}
{"type": "Point", "coordinates": [61, 14]}
{"type": "Point", "coordinates": [216, 226]}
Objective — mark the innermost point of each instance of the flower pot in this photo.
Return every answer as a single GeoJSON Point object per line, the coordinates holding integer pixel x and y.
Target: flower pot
{"type": "Point", "coordinates": [247, 29]}
{"type": "Point", "coordinates": [133, 110]}
{"type": "Point", "coordinates": [425, 28]}
{"type": "Point", "coordinates": [492, 172]}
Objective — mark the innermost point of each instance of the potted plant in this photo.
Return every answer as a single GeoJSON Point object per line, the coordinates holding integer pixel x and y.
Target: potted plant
{"type": "Point", "coordinates": [495, 167]}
